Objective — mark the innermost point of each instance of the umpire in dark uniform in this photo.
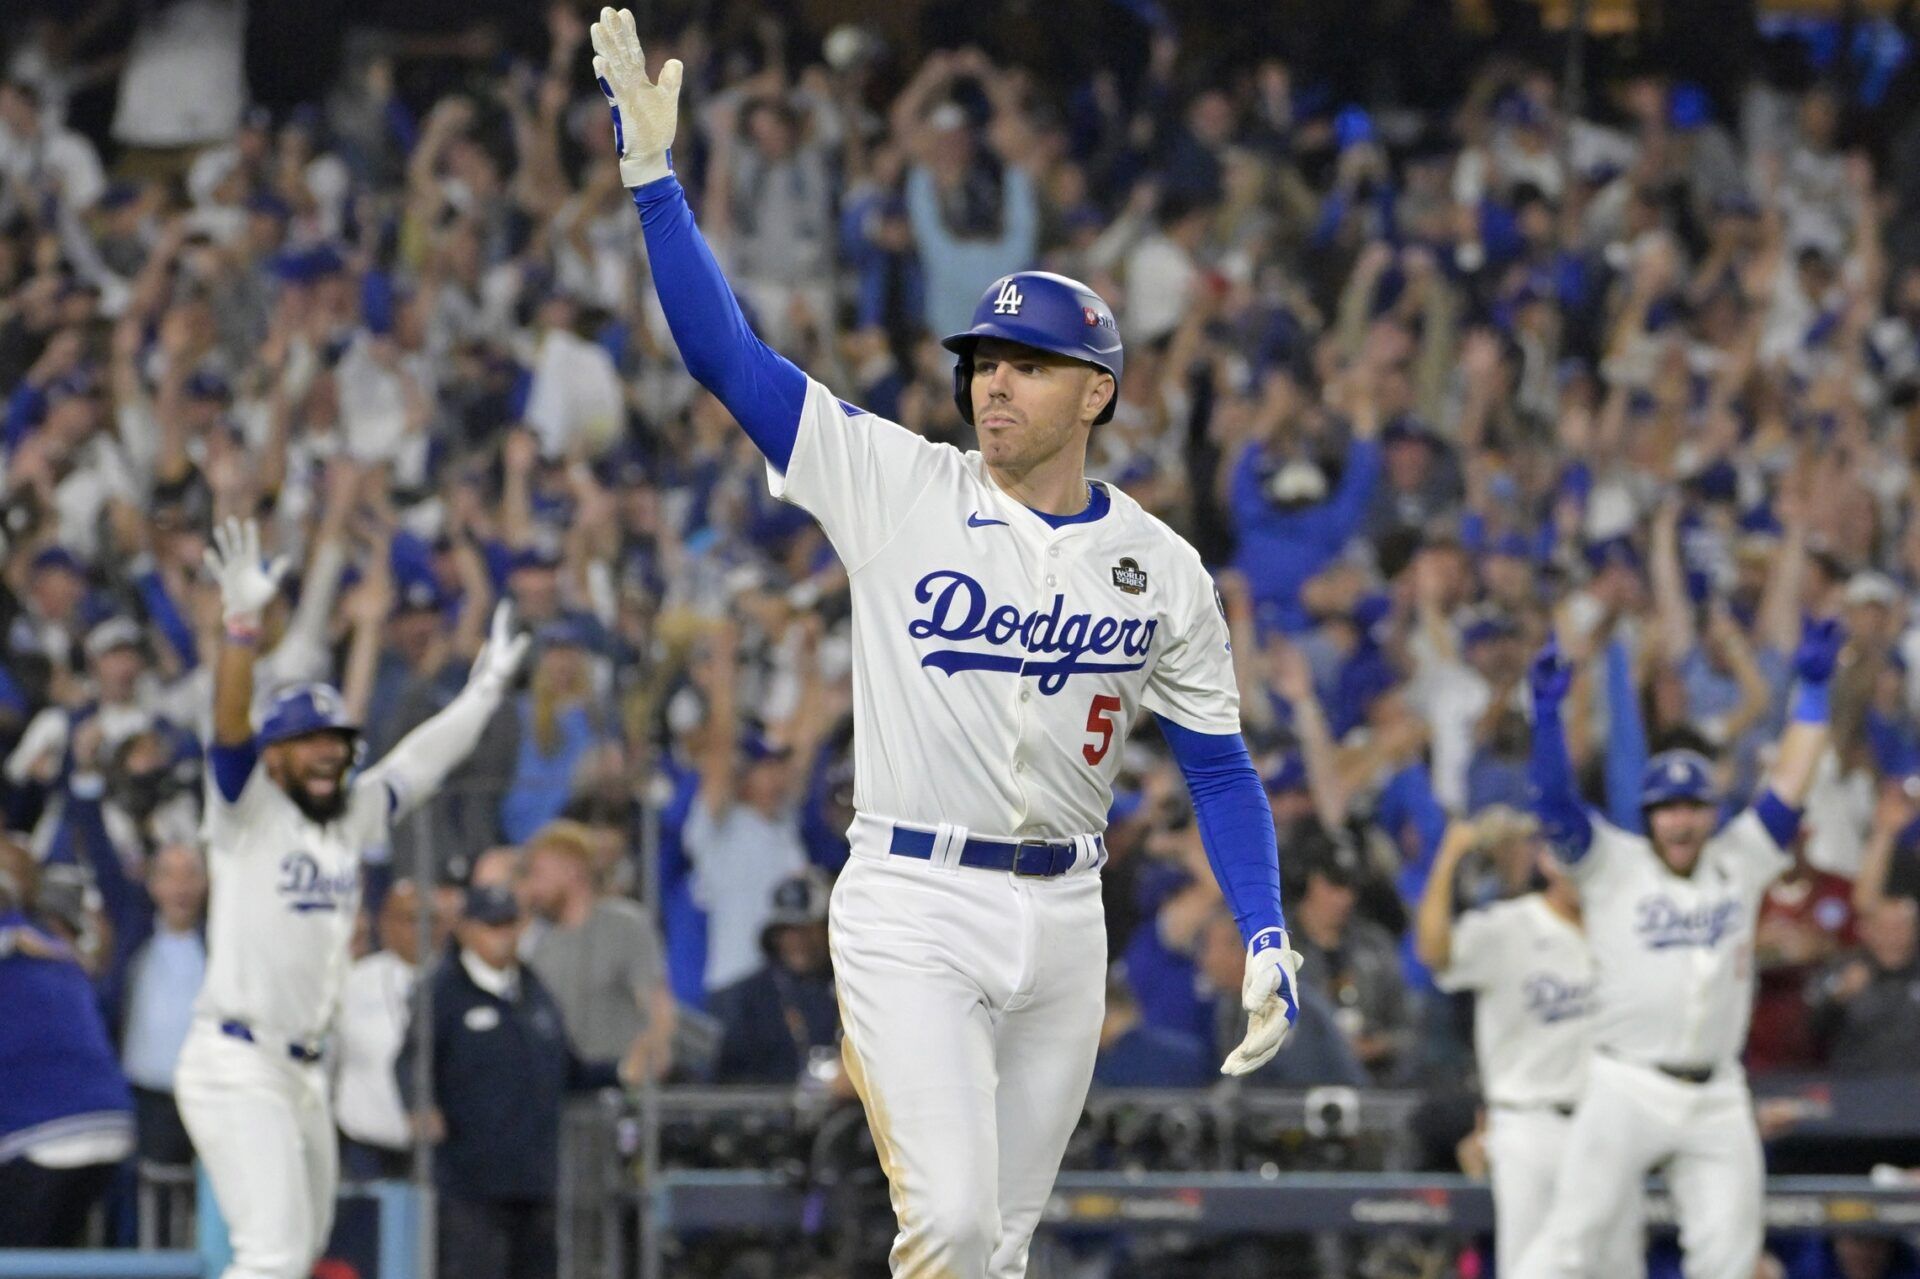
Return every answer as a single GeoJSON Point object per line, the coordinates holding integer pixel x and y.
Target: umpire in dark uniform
{"type": "Point", "coordinates": [502, 1066]}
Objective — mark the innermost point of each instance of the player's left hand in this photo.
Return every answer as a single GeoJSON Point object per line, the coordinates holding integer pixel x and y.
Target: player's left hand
{"type": "Point", "coordinates": [1819, 651]}
{"type": "Point", "coordinates": [500, 657]}
{"type": "Point", "coordinates": [1270, 992]}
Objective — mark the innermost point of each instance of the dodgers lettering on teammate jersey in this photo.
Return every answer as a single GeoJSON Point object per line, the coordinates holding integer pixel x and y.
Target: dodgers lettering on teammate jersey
{"type": "Point", "coordinates": [958, 609]}
{"type": "Point", "coordinates": [1674, 952]}
{"type": "Point", "coordinates": [1662, 923]}
{"type": "Point", "coordinates": [304, 886]}
{"type": "Point", "coordinates": [1550, 998]}
{"type": "Point", "coordinates": [999, 661]}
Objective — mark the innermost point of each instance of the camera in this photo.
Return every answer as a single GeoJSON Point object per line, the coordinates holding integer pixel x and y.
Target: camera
{"type": "Point", "coordinates": [1333, 1112]}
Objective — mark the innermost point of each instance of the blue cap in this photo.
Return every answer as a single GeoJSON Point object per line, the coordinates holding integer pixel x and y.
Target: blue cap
{"type": "Point", "coordinates": [119, 195]}
{"type": "Point", "coordinates": [1689, 107]}
{"type": "Point", "coordinates": [492, 904]}
{"type": "Point", "coordinates": [1676, 777]}
{"type": "Point", "coordinates": [269, 204]}
{"type": "Point", "coordinates": [565, 632]}
{"type": "Point", "coordinates": [420, 595]}
{"type": "Point", "coordinates": [533, 557]}
{"type": "Point", "coordinates": [1489, 626]}
{"type": "Point", "coordinates": [205, 384]}
{"type": "Point", "coordinates": [1513, 544]}
{"type": "Point", "coordinates": [1290, 774]}
{"type": "Point", "coordinates": [758, 749]}
{"type": "Point", "coordinates": [58, 557]}
{"type": "Point", "coordinates": [1047, 312]}
{"type": "Point", "coordinates": [1352, 127]}
{"type": "Point", "coordinates": [304, 709]}
{"type": "Point", "coordinates": [1612, 552]}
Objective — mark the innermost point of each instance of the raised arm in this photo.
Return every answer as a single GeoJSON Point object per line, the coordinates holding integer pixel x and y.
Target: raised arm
{"type": "Point", "coordinates": [1806, 737]}
{"type": "Point", "coordinates": [764, 391]}
{"type": "Point", "coordinates": [1433, 925]}
{"type": "Point", "coordinates": [414, 768]}
{"type": "Point", "coordinates": [1671, 607]}
{"type": "Point", "coordinates": [1556, 801]}
{"type": "Point", "coordinates": [247, 585]}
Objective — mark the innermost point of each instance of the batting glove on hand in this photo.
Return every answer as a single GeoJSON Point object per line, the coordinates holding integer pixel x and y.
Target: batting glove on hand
{"type": "Point", "coordinates": [1270, 992]}
{"type": "Point", "coordinates": [1550, 676]}
{"type": "Point", "coordinates": [645, 112]}
{"type": "Point", "coordinates": [247, 584]}
{"type": "Point", "coordinates": [1819, 651]}
{"type": "Point", "coordinates": [500, 657]}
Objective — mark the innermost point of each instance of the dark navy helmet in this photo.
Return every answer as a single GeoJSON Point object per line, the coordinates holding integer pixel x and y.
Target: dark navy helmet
{"type": "Point", "coordinates": [1676, 777]}
{"type": "Point", "coordinates": [300, 709]}
{"type": "Point", "coordinates": [1049, 313]}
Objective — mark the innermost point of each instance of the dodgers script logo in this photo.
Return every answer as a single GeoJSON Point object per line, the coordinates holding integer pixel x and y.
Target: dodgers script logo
{"type": "Point", "coordinates": [1551, 999]}
{"type": "Point", "coordinates": [308, 888]}
{"type": "Point", "coordinates": [1054, 647]}
{"type": "Point", "coordinates": [1663, 925]}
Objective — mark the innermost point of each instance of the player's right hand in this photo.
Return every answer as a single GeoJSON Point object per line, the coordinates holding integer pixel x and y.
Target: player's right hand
{"type": "Point", "coordinates": [1270, 993]}
{"type": "Point", "coordinates": [247, 583]}
{"type": "Point", "coordinates": [645, 112]}
{"type": "Point", "coordinates": [1550, 676]}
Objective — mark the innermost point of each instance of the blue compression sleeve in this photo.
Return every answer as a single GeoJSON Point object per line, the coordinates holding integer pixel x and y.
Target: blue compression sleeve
{"type": "Point", "coordinates": [1563, 817]}
{"type": "Point", "coordinates": [1626, 741]}
{"type": "Point", "coordinates": [761, 388]}
{"type": "Point", "coordinates": [166, 616]}
{"type": "Point", "coordinates": [232, 765]}
{"type": "Point", "coordinates": [1781, 819]}
{"type": "Point", "coordinates": [1236, 823]}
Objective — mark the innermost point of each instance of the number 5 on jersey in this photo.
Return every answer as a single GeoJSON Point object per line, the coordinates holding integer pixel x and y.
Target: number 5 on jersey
{"type": "Point", "coordinates": [1100, 723]}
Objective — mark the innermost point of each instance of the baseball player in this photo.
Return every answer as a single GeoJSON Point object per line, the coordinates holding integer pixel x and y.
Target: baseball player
{"type": "Point", "coordinates": [1011, 620]}
{"type": "Point", "coordinates": [1670, 918]}
{"type": "Point", "coordinates": [1526, 961]}
{"type": "Point", "coordinates": [285, 828]}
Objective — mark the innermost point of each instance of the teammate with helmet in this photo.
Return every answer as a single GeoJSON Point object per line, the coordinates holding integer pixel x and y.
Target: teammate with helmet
{"type": "Point", "coordinates": [1010, 622]}
{"type": "Point", "coordinates": [1670, 916]}
{"type": "Point", "coordinates": [285, 830]}
{"type": "Point", "coordinates": [1526, 960]}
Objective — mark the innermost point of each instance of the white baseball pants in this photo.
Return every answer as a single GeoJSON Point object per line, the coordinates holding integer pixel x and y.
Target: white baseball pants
{"type": "Point", "coordinates": [1524, 1148]}
{"type": "Point", "coordinates": [1632, 1120]}
{"type": "Point", "coordinates": [261, 1125]}
{"type": "Point", "coordinates": [971, 1002]}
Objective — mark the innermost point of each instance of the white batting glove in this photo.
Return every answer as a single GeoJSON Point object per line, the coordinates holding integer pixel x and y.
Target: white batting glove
{"type": "Point", "coordinates": [1270, 992]}
{"type": "Point", "coordinates": [247, 584]}
{"type": "Point", "coordinates": [645, 113]}
{"type": "Point", "coordinates": [500, 657]}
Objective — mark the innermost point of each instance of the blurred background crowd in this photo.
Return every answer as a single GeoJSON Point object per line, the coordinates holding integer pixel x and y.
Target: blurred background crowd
{"type": "Point", "coordinates": [1431, 352]}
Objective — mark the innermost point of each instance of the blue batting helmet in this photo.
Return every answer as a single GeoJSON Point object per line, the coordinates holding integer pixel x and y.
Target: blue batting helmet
{"type": "Point", "coordinates": [1049, 313]}
{"type": "Point", "coordinates": [301, 709]}
{"type": "Point", "coordinates": [1676, 777]}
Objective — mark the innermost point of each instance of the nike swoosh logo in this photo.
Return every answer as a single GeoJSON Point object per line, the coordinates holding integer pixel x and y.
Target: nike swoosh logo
{"type": "Point", "coordinates": [974, 521]}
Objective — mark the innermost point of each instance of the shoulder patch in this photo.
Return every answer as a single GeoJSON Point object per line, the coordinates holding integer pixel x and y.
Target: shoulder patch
{"type": "Point", "coordinates": [1128, 577]}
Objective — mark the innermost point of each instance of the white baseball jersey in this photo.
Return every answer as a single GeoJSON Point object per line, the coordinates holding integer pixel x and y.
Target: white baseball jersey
{"type": "Point", "coordinates": [283, 894]}
{"type": "Point", "coordinates": [1674, 954]}
{"type": "Point", "coordinates": [1532, 976]}
{"type": "Point", "coordinates": [998, 662]}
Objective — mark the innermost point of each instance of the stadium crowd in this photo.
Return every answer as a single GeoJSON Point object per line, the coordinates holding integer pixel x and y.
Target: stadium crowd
{"type": "Point", "coordinates": [1424, 385]}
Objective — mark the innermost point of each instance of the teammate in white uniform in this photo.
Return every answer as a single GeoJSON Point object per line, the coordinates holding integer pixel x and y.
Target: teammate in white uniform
{"type": "Point", "coordinates": [1527, 963]}
{"type": "Point", "coordinates": [285, 831]}
{"type": "Point", "coordinates": [1670, 917]}
{"type": "Point", "coordinates": [1010, 623]}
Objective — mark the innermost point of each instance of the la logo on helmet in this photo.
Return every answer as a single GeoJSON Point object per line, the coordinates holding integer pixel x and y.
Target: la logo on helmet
{"type": "Point", "coordinates": [1008, 300]}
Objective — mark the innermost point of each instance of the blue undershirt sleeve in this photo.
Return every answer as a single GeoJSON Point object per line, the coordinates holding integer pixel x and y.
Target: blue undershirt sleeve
{"type": "Point", "coordinates": [232, 765]}
{"type": "Point", "coordinates": [763, 390]}
{"type": "Point", "coordinates": [1781, 819]}
{"type": "Point", "coordinates": [1626, 741]}
{"type": "Point", "coordinates": [1556, 798]}
{"type": "Point", "coordinates": [1236, 823]}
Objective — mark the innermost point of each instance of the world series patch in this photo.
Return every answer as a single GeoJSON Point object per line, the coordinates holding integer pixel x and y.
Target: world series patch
{"type": "Point", "coordinates": [1129, 576]}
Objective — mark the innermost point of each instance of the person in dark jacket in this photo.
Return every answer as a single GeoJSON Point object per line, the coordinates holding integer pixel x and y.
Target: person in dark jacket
{"type": "Point", "coordinates": [1134, 1054]}
{"type": "Point", "coordinates": [502, 1066]}
{"type": "Point", "coordinates": [66, 1115]}
{"type": "Point", "coordinates": [773, 1019]}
